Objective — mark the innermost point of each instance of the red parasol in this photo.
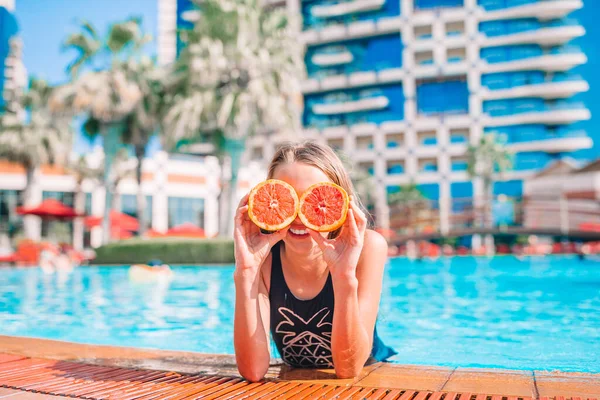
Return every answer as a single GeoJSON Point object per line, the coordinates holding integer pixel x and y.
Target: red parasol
{"type": "Point", "coordinates": [120, 233]}
{"type": "Point", "coordinates": [117, 220]}
{"type": "Point", "coordinates": [154, 233]}
{"type": "Point", "coordinates": [50, 208]}
{"type": "Point", "coordinates": [590, 226]}
{"type": "Point", "coordinates": [187, 230]}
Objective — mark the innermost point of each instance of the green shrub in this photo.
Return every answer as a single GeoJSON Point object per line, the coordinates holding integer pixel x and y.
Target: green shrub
{"type": "Point", "coordinates": [169, 250]}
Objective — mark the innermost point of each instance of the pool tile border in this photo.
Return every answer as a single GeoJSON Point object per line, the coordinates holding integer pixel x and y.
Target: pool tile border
{"type": "Point", "coordinates": [526, 384]}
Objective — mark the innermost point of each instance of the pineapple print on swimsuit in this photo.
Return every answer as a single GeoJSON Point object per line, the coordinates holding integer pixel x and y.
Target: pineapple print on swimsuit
{"type": "Point", "coordinates": [301, 329]}
{"type": "Point", "coordinates": [306, 343]}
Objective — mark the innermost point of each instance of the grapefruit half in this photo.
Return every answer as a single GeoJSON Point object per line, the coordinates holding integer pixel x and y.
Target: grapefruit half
{"type": "Point", "coordinates": [272, 205]}
{"type": "Point", "coordinates": [323, 207]}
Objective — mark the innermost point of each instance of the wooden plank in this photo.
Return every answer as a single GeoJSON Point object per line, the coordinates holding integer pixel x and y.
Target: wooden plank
{"type": "Point", "coordinates": [394, 394]}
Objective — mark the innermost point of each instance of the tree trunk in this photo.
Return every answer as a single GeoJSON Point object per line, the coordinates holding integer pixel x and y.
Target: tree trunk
{"type": "Point", "coordinates": [235, 149]}
{"type": "Point", "coordinates": [111, 136]}
{"type": "Point", "coordinates": [29, 178]}
{"type": "Point", "coordinates": [223, 195]}
{"type": "Point", "coordinates": [78, 228]}
{"type": "Point", "coordinates": [140, 198]}
{"type": "Point", "coordinates": [29, 222]}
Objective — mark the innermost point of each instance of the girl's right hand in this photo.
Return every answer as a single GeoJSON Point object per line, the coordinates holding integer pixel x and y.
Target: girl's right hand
{"type": "Point", "coordinates": [252, 247]}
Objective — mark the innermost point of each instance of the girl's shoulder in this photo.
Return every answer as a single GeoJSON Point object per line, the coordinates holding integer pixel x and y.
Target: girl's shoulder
{"type": "Point", "coordinates": [374, 241]}
{"type": "Point", "coordinates": [373, 256]}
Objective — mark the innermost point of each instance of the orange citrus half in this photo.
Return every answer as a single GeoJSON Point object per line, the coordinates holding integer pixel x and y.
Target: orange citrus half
{"type": "Point", "coordinates": [272, 205]}
{"type": "Point", "coordinates": [323, 207]}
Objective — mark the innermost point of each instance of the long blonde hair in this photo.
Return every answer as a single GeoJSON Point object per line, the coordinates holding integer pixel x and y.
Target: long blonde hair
{"type": "Point", "coordinates": [319, 156]}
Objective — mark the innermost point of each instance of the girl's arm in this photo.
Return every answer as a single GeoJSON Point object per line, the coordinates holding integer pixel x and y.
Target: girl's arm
{"type": "Point", "coordinates": [250, 326]}
{"type": "Point", "coordinates": [356, 306]}
{"type": "Point", "coordinates": [251, 320]}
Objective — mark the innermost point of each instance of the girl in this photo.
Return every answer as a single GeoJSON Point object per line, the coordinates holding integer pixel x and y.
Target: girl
{"type": "Point", "coordinates": [317, 293]}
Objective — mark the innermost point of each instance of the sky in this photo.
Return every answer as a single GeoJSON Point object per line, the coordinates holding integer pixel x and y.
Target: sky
{"type": "Point", "coordinates": [44, 25]}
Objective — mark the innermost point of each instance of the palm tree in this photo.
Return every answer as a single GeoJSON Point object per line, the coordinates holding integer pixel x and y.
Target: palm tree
{"type": "Point", "coordinates": [486, 160]}
{"type": "Point", "coordinates": [82, 171]}
{"type": "Point", "coordinates": [407, 195]}
{"type": "Point", "coordinates": [105, 94]}
{"type": "Point", "coordinates": [144, 121]}
{"type": "Point", "coordinates": [41, 139]}
{"type": "Point", "coordinates": [408, 200]}
{"type": "Point", "coordinates": [238, 75]}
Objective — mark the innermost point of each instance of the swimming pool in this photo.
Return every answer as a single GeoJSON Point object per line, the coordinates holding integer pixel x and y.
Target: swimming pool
{"type": "Point", "coordinates": [540, 313]}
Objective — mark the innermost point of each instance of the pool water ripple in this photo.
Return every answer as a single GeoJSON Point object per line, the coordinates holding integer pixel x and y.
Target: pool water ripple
{"type": "Point", "coordinates": [538, 313]}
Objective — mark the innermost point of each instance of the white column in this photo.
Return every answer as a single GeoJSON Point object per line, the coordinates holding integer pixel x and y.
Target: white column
{"type": "Point", "coordinates": [98, 199]}
{"type": "Point", "coordinates": [445, 203]}
{"type": "Point", "coordinates": [78, 228]}
{"type": "Point", "coordinates": [32, 224]}
{"type": "Point", "coordinates": [439, 50]}
{"type": "Point", "coordinates": [160, 203]}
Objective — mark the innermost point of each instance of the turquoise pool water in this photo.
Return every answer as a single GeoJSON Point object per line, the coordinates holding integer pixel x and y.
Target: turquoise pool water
{"type": "Point", "coordinates": [541, 313]}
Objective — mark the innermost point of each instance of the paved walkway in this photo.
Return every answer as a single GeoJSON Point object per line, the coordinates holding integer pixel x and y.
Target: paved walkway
{"type": "Point", "coordinates": [104, 372]}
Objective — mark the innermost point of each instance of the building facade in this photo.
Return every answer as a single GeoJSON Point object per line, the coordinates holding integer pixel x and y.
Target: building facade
{"type": "Point", "coordinates": [404, 86]}
{"type": "Point", "coordinates": [8, 30]}
{"type": "Point", "coordinates": [179, 189]}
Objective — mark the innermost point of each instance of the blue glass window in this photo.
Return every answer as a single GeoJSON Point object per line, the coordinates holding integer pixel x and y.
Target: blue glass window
{"type": "Point", "coordinates": [390, 8]}
{"type": "Point", "coordinates": [186, 209]}
{"type": "Point", "coordinates": [182, 24]}
{"type": "Point", "coordinates": [443, 97]}
{"type": "Point", "coordinates": [129, 206]}
{"type": "Point", "coordinates": [513, 188]}
{"type": "Point", "coordinates": [531, 160]}
{"type": "Point", "coordinates": [506, 80]}
{"type": "Point", "coordinates": [462, 196]}
{"type": "Point", "coordinates": [396, 169]}
{"type": "Point", "coordinates": [430, 190]}
{"type": "Point", "coordinates": [510, 53]}
{"type": "Point", "coordinates": [9, 219]}
{"type": "Point", "coordinates": [8, 28]}
{"type": "Point", "coordinates": [368, 54]}
{"type": "Point", "coordinates": [394, 111]}
{"type": "Point", "coordinates": [459, 165]}
{"type": "Point", "coordinates": [429, 167]}
{"type": "Point", "coordinates": [426, 4]}
{"type": "Point", "coordinates": [429, 141]}
{"type": "Point", "coordinates": [457, 139]}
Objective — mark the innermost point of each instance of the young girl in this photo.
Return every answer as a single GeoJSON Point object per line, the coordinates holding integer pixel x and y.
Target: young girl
{"type": "Point", "coordinates": [317, 293]}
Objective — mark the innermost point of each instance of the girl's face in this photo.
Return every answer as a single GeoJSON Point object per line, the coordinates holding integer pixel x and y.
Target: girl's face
{"type": "Point", "coordinates": [301, 176]}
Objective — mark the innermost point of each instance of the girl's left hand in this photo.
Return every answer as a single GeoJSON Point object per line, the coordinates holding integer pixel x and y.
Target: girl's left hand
{"type": "Point", "coordinates": [342, 253]}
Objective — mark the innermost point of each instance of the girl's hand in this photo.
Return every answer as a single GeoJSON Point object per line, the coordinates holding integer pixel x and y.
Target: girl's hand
{"type": "Point", "coordinates": [342, 253]}
{"type": "Point", "coordinates": [251, 246]}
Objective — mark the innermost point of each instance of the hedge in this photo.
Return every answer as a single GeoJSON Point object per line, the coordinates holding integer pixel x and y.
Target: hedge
{"type": "Point", "coordinates": [169, 250]}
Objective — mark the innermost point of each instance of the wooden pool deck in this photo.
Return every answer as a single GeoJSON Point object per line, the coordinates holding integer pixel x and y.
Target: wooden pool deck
{"type": "Point", "coordinates": [34, 369]}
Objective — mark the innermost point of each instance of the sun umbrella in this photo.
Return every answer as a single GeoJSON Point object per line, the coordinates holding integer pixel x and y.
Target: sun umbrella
{"type": "Point", "coordinates": [50, 208]}
{"type": "Point", "coordinates": [117, 220]}
{"type": "Point", "coordinates": [187, 230]}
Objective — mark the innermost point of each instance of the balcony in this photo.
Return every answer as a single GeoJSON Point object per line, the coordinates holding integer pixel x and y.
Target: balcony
{"type": "Point", "coordinates": [555, 35]}
{"type": "Point", "coordinates": [545, 90]}
{"type": "Point", "coordinates": [559, 114]}
{"type": "Point", "coordinates": [337, 32]}
{"type": "Point", "coordinates": [543, 10]}
{"type": "Point", "coordinates": [568, 142]}
{"type": "Point", "coordinates": [332, 59]}
{"type": "Point", "coordinates": [346, 8]}
{"type": "Point", "coordinates": [353, 80]}
{"type": "Point", "coordinates": [368, 104]}
{"type": "Point", "coordinates": [558, 60]}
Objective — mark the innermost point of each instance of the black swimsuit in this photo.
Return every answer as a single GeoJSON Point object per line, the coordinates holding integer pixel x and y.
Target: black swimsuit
{"type": "Point", "coordinates": [301, 329]}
